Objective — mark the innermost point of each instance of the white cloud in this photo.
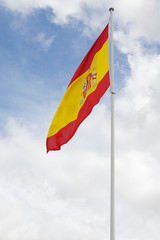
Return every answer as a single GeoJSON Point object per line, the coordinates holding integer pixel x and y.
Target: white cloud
{"type": "Point", "coordinates": [51, 191]}
{"type": "Point", "coordinates": [44, 40]}
{"type": "Point", "coordinates": [139, 18]}
{"type": "Point", "coordinates": [137, 145]}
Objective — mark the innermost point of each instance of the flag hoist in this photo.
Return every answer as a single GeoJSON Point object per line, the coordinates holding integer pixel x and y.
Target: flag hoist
{"type": "Point", "coordinates": [87, 86]}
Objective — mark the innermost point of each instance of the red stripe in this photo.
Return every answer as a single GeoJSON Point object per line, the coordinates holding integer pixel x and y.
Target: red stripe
{"type": "Point", "coordinates": [85, 64]}
{"type": "Point", "coordinates": [65, 134]}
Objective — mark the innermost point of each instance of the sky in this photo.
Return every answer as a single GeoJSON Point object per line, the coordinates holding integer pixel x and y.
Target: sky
{"type": "Point", "coordinates": [66, 194]}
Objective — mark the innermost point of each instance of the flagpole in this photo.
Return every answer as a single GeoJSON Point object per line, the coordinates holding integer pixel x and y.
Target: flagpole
{"type": "Point", "coordinates": [112, 200]}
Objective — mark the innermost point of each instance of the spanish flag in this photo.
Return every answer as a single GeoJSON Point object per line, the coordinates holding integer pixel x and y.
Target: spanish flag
{"type": "Point", "coordinates": [87, 86]}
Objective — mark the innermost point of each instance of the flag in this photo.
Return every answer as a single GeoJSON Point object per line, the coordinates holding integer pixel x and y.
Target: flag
{"type": "Point", "coordinates": [87, 86]}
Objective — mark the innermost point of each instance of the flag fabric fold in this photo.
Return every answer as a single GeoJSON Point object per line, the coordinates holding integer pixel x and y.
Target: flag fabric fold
{"type": "Point", "coordinates": [85, 89]}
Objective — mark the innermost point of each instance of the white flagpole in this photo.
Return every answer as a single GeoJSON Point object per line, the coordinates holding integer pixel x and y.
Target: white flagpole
{"type": "Point", "coordinates": [112, 200]}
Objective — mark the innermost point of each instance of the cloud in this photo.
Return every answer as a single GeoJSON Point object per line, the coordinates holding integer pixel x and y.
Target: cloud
{"type": "Point", "coordinates": [44, 40]}
{"type": "Point", "coordinates": [137, 131]}
{"type": "Point", "coordinates": [137, 18]}
{"type": "Point", "coordinates": [91, 14]}
{"type": "Point", "coordinates": [50, 189]}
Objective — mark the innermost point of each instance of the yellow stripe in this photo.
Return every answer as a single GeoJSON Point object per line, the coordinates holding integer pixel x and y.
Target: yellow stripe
{"type": "Point", "coordinates": [73, 99]}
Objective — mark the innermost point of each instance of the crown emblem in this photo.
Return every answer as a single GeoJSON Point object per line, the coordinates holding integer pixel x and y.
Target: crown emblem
{"type": "Point", "coordinates": [90, 83]}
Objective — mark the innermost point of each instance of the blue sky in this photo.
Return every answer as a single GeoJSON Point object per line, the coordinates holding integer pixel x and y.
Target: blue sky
{"type": "Point", "coordinates": [30, 68]}
{"type": "Point", "coordinates": [41, 45]}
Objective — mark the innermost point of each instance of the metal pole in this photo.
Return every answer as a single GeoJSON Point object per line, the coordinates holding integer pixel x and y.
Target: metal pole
{"type": "Point", "coordinates": [112, 200]}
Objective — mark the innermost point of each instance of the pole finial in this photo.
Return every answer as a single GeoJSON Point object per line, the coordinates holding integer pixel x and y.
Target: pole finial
{"type": "Point", "coordinates": [111, 9]}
